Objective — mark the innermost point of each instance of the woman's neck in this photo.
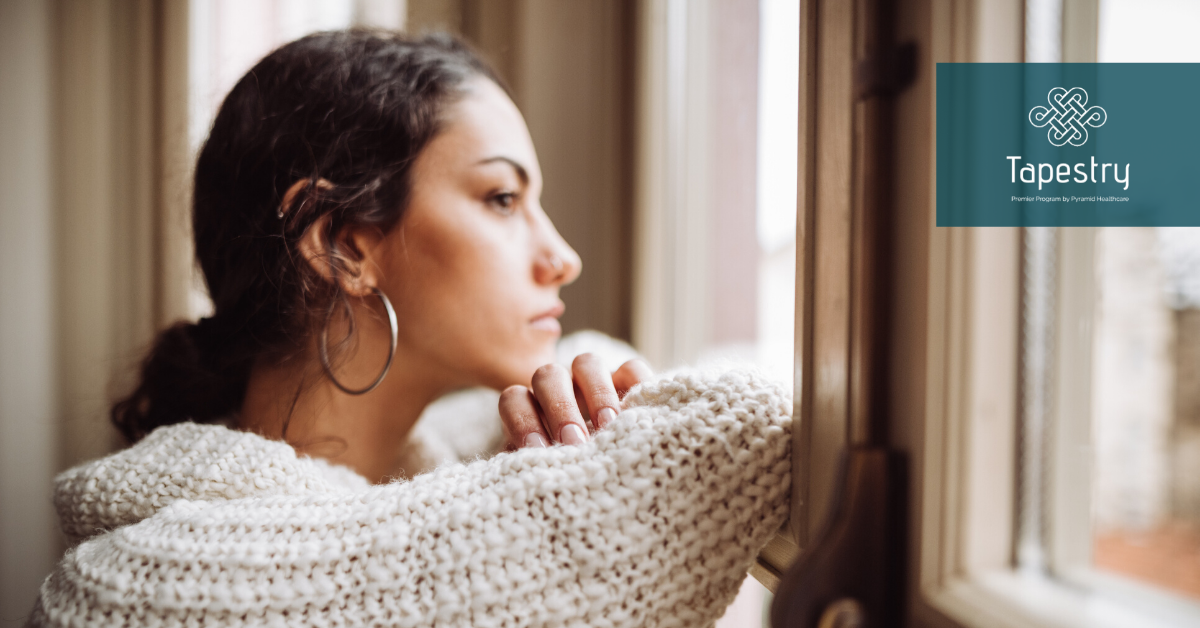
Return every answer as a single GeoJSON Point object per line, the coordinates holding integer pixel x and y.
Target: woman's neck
{"type": "Point", "coordinates": [299, 405]}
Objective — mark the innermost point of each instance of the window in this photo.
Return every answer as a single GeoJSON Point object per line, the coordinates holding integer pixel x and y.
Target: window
{"type": "Point", "coordinates": [717, 183]}
{"type": "Point", "coordinates": [1058, 479]}
{"type": "Point", "coordinates": [714, 268]}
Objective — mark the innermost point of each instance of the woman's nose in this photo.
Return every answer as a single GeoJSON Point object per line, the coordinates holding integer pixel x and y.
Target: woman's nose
{"type": "Point", "coordinates": [557, 263]}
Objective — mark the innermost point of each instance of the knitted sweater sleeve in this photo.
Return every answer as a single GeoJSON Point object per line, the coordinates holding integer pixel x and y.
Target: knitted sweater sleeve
{"type": "Point", "coordinates": [652, 523]}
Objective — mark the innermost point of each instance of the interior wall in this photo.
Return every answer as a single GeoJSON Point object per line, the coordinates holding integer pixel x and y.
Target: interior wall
{"type": "Point", "coordinates": [569, 67]}
{"type": "Point", "coordinates": [28, 431]}
{"type": "Point", "coordinates": [574, 62]}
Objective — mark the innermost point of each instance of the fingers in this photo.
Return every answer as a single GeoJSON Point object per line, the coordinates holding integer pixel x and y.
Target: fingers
{"type": "Point", "coordinates": [520, 418]}
{"type": "Point", "coordinates": [595, 385]}
{"type": "Point", "coordinates": [629, 375]}
{"type": "Point", "coordinates": [556, 397]}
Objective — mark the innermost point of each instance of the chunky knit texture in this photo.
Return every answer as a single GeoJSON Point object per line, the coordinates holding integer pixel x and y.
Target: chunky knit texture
{"type": "Point", "coordinates": [652, 523]}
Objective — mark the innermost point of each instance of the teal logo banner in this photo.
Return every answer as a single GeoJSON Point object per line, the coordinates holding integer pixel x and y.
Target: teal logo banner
{"type": "Point", "coordinates": [1068, 144]}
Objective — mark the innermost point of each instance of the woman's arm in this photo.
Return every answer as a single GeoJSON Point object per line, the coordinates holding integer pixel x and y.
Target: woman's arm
{"type": "Point", "coordinates": [652, 522]}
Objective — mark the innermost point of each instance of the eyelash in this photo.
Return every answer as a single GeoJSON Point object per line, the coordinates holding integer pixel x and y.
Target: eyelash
{"type": "Point", "coordinates": [495, 200]}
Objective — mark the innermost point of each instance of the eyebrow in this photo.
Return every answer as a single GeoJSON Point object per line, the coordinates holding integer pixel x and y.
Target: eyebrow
{"type": "Point", "coordinates": [522, 173]}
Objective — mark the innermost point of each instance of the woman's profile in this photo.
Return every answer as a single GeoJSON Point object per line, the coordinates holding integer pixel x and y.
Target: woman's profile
{"type": "Point", "coordinates": [367, 218]}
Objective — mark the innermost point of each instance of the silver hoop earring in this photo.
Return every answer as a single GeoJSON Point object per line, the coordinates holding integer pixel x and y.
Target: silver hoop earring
{"type": "Point", "coordinates": [324, 349]}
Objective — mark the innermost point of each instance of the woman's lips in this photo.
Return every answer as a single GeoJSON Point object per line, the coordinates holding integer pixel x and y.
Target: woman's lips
{"type": "Point", "coordinates": [548, 320]}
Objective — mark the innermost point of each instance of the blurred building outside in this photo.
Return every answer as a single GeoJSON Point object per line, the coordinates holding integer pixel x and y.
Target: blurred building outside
{"type": "Point", "coordinates": [1146, 404]}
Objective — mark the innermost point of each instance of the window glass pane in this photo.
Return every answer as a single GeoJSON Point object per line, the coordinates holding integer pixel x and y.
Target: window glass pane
{"type": "Point", "coordinates": [1146, 354]}
{"type": "Point", "coordinates": [1149, 31]}
{"type": "Point", "coordinates": [1146, 406]}
{"type": "Point", "coordinates": [755, 90]}
{"type": "Point", "coordinates": [767, 335]}
{"type": "Point", "coordinates": [778, 94]}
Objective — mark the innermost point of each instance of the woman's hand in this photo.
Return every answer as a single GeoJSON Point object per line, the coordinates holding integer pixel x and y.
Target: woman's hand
{"type": "Point", "coordinates": [554, 410]}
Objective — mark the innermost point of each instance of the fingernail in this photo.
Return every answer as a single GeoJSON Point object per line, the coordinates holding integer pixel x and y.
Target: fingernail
{"type": "Point", "coordinates": [573, 435]}
{"type": "Point", "coordinates": [605, 416]}
{"type": "Point", "coordinates": [533, 439]}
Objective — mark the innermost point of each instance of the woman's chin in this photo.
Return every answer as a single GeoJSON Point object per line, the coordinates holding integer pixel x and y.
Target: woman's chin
{"type": "Point", "coordinates": [522, 373]}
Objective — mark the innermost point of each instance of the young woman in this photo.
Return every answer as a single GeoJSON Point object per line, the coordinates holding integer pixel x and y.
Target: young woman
{"type": "Point", "coordinates": [367, 218]}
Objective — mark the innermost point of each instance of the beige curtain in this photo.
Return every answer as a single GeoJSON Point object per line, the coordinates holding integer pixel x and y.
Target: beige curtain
{"type": "Point", "coordinates": [121, 177]}
{"type": "Point", "coordinates": [95, 253]}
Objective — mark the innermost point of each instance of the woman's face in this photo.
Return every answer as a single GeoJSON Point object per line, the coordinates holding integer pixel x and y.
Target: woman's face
{"type": "Point", "coordinates": [475, 266]}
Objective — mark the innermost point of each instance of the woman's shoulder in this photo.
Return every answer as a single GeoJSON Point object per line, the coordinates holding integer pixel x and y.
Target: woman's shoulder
{"type": "Point", "coordinates": [186, 461]}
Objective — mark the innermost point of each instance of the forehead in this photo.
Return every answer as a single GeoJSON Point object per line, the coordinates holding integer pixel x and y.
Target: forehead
{"type": "Point", "coordinates": [481, 125]}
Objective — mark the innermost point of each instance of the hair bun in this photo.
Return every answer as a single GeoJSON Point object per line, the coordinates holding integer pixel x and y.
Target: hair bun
{"type": "Point", "coordinates": [182, 378]}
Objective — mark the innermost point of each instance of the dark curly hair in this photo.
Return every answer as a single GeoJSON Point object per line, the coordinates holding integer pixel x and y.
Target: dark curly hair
{"type": "Point", "coordinates": [351, 107]}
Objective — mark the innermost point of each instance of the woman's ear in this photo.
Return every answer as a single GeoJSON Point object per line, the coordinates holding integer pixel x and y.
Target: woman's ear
{"type": "Point", "coordinates": [347, 256]}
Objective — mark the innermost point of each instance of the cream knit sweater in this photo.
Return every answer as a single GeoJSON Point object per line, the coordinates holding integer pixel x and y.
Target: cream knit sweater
{"type": "Point", "coordinates": [652, 523]}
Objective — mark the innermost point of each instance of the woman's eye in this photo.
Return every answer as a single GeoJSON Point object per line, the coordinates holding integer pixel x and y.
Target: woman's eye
{"type": "Point", "coordinates": [503, 202]}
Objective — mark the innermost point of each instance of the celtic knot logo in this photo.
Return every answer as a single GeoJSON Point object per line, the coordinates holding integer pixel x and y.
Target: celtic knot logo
{"type": "Point", "coordinates": [1068, 116]}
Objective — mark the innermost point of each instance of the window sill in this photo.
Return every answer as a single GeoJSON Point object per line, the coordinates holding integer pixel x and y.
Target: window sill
{"type": "Point", "coordinates": [1007, 599]}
